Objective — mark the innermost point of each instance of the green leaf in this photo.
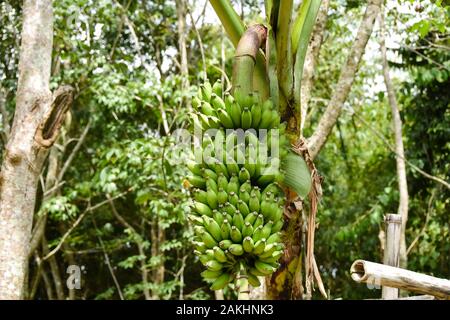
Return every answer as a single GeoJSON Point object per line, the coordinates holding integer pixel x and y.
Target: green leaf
{"type": "Point", "coordinates": [297, 175]}
{"type": "Point", "coordinates": [301, 33]}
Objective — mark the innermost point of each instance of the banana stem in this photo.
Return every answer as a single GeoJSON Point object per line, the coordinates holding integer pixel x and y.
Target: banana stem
{"type": "Point", "coordinates": [242, 284]}
{"type": "Point", "coordinates": [245, 59]}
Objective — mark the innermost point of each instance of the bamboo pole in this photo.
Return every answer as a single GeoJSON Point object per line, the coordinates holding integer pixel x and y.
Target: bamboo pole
{"type": "Point", "coordinates": [374, 273]}
{"type": "Point", "coordinates": [393, 223]}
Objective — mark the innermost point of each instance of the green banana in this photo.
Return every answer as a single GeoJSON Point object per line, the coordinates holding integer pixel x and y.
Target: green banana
{"type": "Point", "coordinates": [238, 220]}
{"type": "Point", "coordinates": [206, 91]}
{"type": "Point", "coordinates": [253, 203]}
{"type": "Point", "coordinates": [257, 233]}
{"type": "Point", "coordinates": [208, 239]}
{"type": "Point", "coordinates": [266, 119]}
{"type": "Point", "coordinates": [275, 120]}
{"type": "Point", "coordinates": [200, 196]}
{"type": "Point", "coordinates": [196, 103]}
{"type": "Point", "coordinates": [217, 89]}
{"type": "Point", "coordinates": [274, 238]}
{"type": "Point", "coordinates": [233, 184]}
{"type": "Point", "coordinates": [235, 235]}
{"type": "Point", "coordinates": [214, 265]}
{"type": "Point", "coordinates": [212, 199]}
{"type": "Point", "coordinates": [200, 246]}
{"type": "Point", "coordinates": [225, 119]}
{"type": "Point", "coordinates": [248, 244]}
{"type": "Point", "coordinates": [212, 184]}
{"type": "Point", "coordinates": [259, 221]}
{"type": "Point", "coordinates": [211, 275]}
{"type": "Point", "coordinates": [265, 207]}
{"type": "Point", "coordinates": [207, 109]}
{"type": "Point", "coordinates": [225, 244]}
{"type": "Point", "coordinates": [264, 268]}
{"type": "Point", "coordinates": [266, 231]}
{"type": "Point", "coordinates": [233, 198]}
{"type": "Point", "coordinates": [220, 255]}
{"type": "Point", "coordinates": [243, 208]}
{"type": "Point", "coordinates": [250, 218]}
{"type": "Point", "coordinates": [253, 280]}
{"type": "Point", "coordinates": [195, 219]}
{"type": "Point", "coordinates": [221, 168]}
{"type": "Point", "coordinates": [222, 196]}
{"type": "Point", "coordinates": [244, 196]}
{"type": "Point", "coordinates": [222, 181]}
{"type": "Point", "coordinates": [195, 168]}
{"type": "Point", "coordinates": [197, 181]}
{"type": "Point", "coordinates": [274, 257]}
{"type": "Point", "coordinates": [221, 282]}
{"type": "Point", "coordinates": [232, 167]}
{"type": "Point", "coordinates": [213, 228]}
{"type": "Point", "coordinates": [217, 102]}
{"type": "Point", "coordinates": [246, 118]}
{"type": "Point", "coordinates": [202, 209]}
{"type": "Point", "coordinates": [246, 186]}
{"type": "Point", "coordinates": [236, 114]}
{"type": "Point", "coordinates": [244, 175]}
{"type": "Point", "coordinates": [247, 229]}
{"type": "Point", "coordinates": [236, 249]}
{"type": "Point", "coordinates": [277, 226]}
{"type": "Point", "coordinates": [209, 174]}
{"type": "Point", "coordinates": [225, 229]}
{"type": "Point", "coordinates": [229, 208]}
{"type": "Point", "coordinates": [256, 191]}
{"type": "Point", "coordinates": [256, 273]}
{"type": "Point", "coordinates": [218, 217]}
{"type": "Point", "coordinates": [259, 246]}
{"type": "Point", "coordinates": [256, 115]}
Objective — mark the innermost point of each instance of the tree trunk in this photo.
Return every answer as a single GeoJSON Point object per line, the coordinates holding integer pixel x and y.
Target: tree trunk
{"type": "Point", "coordinates": [38, 117]}
{"type": "Point", "coordinates": [399, 150]}
{"type": "Point", "coordinates": [348, 72]}
{"type": "Point", "coordinates": [184, 70]}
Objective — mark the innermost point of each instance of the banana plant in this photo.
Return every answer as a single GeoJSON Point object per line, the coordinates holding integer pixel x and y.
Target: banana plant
{"type": "Point", "coordinates": [233, 228]}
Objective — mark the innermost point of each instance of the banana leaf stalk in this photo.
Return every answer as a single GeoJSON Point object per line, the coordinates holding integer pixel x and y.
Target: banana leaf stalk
{"type": "Point", "coordinates": [245, 59]}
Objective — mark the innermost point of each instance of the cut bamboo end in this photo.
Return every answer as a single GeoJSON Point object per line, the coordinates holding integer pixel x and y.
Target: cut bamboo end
{"type": "Point", "coordinates": [374, 273]}
{"type": "Point", "coordinates": [358, 271]}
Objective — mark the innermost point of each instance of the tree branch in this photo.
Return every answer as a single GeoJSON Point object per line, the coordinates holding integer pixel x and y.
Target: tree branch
{"type": "Point", "coordinates": [348, 72]}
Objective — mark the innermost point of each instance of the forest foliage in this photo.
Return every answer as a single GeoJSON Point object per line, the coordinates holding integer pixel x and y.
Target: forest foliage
{"type": "Point", "coordinates": [125, 195]}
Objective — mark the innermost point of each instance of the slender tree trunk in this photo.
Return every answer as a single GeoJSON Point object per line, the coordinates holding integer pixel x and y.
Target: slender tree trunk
{"type": "Point", "coordinates": [55, 272]}
{"type": "Point", "coordinates": [37, 120]}
{"type": "Point", "coordinates": [184, 70]}
{"type": "Point", "coordinates": [157, 238]}
{"type": "Point", "coordinates": [399, 149]}
{"type": "Point", "coordinates": [310, 61]}
{"type": "Point", "coordinates": [348, 72]}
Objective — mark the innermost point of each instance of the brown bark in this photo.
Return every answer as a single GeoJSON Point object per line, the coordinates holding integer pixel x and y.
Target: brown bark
{"type": "Point", "coordinates": [399, 149]}
{"type": "Point", "coordinates": [157, 238]}
{"type": "Point", "coordinates": [348, 72]}
{"type": "Point", "coordinates": [23, 158]}
{"type": "Point", "coordinates": [37, 120]}
{"type": "Point", "coordinates": [184, 70]}
{"type": "Point", "coordinates": [310, 61]}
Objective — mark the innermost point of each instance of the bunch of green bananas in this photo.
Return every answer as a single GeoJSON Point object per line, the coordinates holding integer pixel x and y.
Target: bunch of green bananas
{"type": "Point", "coordinates": [237, 210]}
